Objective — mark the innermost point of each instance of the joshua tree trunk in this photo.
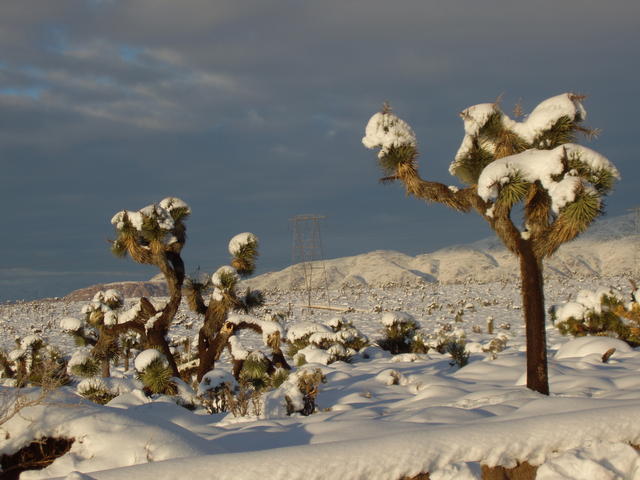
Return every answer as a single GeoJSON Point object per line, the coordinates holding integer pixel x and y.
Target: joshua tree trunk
{"type": "Point", "coordinates": [534, 317]}
{"type": "Point", "coordinates": [104, 364]}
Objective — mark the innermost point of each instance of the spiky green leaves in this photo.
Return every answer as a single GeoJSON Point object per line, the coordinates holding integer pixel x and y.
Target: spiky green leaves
{"type": "Point", "coordinates": [469, 166]}
{"type": "Point", "coordinates": [601, 176]}
{"type": "Point", "coordinates": [151, 230]}
{"type": "Point", "coordinates": [394, 137]}
{"type": "Point", "coordinates": [86, 366]}
{"type": "Point", "coordinates": [513, 191]}
{"type": "Point", "coordinates": [157, 377]}
{"type": "Point", "coordinates": [396, 156]}
{"type": "Point", "coordinates": [225, 278]}
{"type": "Point", "coordinates": [244, 248]}
{"type": "Point", "coordinates": [254, 370]}
{"type": "Point", "coordinates": [563, 131]}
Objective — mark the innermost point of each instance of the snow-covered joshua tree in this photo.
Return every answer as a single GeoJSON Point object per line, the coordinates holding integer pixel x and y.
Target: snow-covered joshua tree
{"type": "Point", "coordinates": [507, 165]}
{"type": "Point", "coordinates": [219, 327]}
{"type": "Point", "coordinates": [155, 235]}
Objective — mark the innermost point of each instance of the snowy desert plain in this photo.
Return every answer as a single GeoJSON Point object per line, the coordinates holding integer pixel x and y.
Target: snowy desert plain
{"type": "Point", "coordinates": [378, 416]}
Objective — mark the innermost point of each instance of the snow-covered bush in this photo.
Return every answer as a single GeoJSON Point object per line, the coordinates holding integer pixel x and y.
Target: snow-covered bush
{"type": "Point", "coordinates": [599, 312]}
{"type": "Point", "coordinates": [496, 345]}
{"type": "Point", "coordinates": [297, 394]}
{"type": "Point", "coordinates": [96, 390]}
{"type": "Point", "coordinates": [33, 362]}
{"type": "Point", "coordinates": [400, 334]}
{"type": "Point", "coordinates": [83, 364]}
{"type": "Point", "coordinates": [104, 328]}
{"type": "Point", "coordinates": [154, 372]}
{"type": "Point", "coordinates": [215, 390]}
{"type": "Point", "coordinates": [459, 354]}
{"type": "Point", "coordinates": [325, 343]}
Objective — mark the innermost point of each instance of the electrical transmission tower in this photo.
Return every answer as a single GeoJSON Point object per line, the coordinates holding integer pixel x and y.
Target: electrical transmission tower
{"type": "Point", "coordinates": [307, 256]}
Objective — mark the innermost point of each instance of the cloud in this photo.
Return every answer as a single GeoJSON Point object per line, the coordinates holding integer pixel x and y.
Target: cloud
{"type": "Point", "coordinates": [253, 111]}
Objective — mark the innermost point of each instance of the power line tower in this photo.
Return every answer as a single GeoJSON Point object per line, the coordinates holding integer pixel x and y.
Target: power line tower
{"type": "Point", "coordinates": [307, 256]}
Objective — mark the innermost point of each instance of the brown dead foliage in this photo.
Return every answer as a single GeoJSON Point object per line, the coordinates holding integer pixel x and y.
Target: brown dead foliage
{"type": "Point", "coordinates": [35, 456]}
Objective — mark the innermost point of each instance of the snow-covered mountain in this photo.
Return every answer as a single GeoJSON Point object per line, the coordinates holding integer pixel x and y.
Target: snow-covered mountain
{"type": "Point", "coordinates": [610, 247]}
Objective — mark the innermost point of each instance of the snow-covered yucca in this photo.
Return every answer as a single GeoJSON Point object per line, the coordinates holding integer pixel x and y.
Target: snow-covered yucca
{"type": "Point", "coordinates": [530, 167]}
{"type": "Point", "coordinates": [154, 372]}
{"type": "Point", "coordinates": [154, 235]}
{"type": "Point", "coordinates": [219, 299]}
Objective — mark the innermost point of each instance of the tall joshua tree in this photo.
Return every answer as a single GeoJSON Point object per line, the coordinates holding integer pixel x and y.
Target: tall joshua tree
{"type": "Point", "coordinates": [155, 235]}
{"type": "Point", "coordinates": [218, 328]}
{"type": "Point", "coordinates": [531, 165]}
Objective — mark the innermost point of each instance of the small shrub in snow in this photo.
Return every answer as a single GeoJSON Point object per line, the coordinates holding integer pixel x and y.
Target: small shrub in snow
{"type": "Point", "coordinates": [444, 335]}
{"type": "Point", "coordinates": [496, 345]}
{"type": "Point", "coordinates": [335, 340]}
{"type": "Point", "coordinates": [154, 372]}
{"type": "Point", "coordinates": [33, 362]}
{"type": "Point", "coordinates": [307, 382]}
{"type": "Point", "coordinates": [255, 370]}
{"type": "Point", "coordinates": [83, 364]}
{"type": "Point", "coordinates": [297, 394]}
{"type": "Point", "coordinates": [214, 390]}
{"type": "Point", "coordinates": [600, 312]}
{"type": "Point", "coordinates": [96, 390]}
{"type": "Point", "coordinates": [389, 377]}
{"type": "Point", "coordinates": [103, 330]}
{"type": "Point", "coordinates": [399, 332]}
{"type": "Point", "coordinates": [459, 354]}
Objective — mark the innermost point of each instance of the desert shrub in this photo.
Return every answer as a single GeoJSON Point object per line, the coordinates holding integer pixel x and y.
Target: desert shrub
{"type": "Point", "coordinates": [601, 312]}
{"type": "Point", "coordinates": [400, 333]}
{"type": "Point", "coordinates": [96, 390]}
{"type": "Point", "coordinates": [34, 362]}
{"type": "Point", "coordinates": [154, 372]}
{"type": "Point", "coordinates": [215, 389]}
{"type": "Point", "coordinates": [459, 354]}
{"type": "Point", "coordinates": [496, 345]}
{"type": "Point", "coordinates": [83, 364]}
{"type": "Point", "coordinates": [325, 343]}
{"type": "Point", "coordinates": [446, 334]}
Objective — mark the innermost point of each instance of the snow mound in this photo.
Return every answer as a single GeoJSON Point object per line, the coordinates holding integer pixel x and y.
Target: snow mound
{"type": "Point", "coordinates": [583, 346]}
{"type": "Point", "coordinates": [146, 357]}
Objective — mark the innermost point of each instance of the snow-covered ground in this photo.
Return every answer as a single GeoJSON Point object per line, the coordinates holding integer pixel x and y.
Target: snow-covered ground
{"type": "Point", "coordinates": [380, 416]}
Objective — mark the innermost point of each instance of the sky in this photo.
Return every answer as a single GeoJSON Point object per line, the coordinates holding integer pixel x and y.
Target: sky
{"type": "Point", "coordinates": [253, 111]}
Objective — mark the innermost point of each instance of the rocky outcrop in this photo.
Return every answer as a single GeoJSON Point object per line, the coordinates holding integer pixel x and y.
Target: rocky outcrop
{"type": "Point", "coordinates": [128, 289]}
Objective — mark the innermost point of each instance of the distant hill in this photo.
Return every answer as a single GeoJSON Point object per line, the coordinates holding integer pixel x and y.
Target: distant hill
{"type": "Point", "coordinates": [608, 248]}
{"type": "Point", "coordinates": [128, 289]}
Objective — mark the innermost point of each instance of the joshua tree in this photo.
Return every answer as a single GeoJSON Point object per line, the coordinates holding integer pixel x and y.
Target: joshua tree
{"type": "Point", "coordinates": [154, 235]}
{"type": "Point", "coordinates": [103, 326]}
{"type": "Point", "coordinates": [557, 185]}
{"type": "Point", "coordinates": [218, 328]}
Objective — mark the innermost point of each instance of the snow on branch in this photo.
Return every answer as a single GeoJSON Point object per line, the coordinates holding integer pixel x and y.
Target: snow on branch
{"type": "Point", "coordinates": [549, 167]}
{"type": "Point", "coordinates": [385, 130]}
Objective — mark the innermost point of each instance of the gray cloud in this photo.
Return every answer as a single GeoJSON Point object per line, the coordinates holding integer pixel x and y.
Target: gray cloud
{"type": "Point", "coordinates": [253, 112]}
